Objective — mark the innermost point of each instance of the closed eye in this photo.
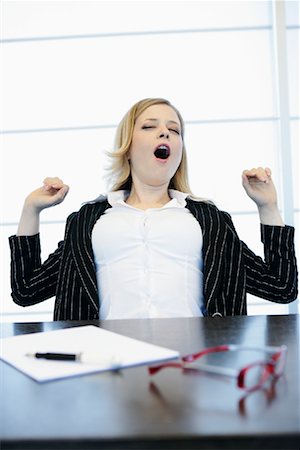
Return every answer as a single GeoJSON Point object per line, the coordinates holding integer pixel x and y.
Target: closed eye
{"type": "Point", "coordinates": [146, 127]}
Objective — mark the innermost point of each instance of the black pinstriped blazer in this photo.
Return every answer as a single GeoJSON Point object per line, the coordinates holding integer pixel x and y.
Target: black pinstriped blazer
{"type": "Point", "coordinates": [230, 268]}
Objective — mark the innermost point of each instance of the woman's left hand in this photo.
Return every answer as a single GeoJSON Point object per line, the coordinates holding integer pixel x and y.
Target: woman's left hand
{"type": "Point", "coordinates": [259, 186]}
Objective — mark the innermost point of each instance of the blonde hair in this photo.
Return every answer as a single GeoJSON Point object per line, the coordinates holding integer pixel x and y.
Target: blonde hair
{"type": "Point", "coordinates": [119, 171]}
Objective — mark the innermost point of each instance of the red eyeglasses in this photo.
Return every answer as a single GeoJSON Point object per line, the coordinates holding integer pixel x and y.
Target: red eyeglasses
{"type": "Point", "coordinates": [251, 377]}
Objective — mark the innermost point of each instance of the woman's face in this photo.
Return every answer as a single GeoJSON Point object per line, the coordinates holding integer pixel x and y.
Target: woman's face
{"type": "Point", "coordinates": [156, 147]}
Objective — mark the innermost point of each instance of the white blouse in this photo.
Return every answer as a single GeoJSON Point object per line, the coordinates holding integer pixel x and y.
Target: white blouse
{"type": "Point", "coordinates": [148, 263]}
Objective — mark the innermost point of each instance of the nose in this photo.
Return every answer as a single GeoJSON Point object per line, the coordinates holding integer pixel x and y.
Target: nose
{"type": "Point", "coordinates": [164, 133]}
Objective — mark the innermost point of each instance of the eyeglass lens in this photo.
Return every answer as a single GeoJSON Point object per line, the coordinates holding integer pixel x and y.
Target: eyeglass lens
{"type": "Point", "coordinates": [254, 375]}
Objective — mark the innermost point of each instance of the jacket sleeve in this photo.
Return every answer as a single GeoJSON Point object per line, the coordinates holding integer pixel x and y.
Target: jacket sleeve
{"type": "Point", "coordinates": [276, 277]}
{"type": "Point", "coordinates": [31, 281]}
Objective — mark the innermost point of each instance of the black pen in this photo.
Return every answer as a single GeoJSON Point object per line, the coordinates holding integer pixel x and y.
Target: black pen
{"type": "Point", "coordinates": [112, 361]}
{"type": "Point", "coordinates": [56, 356]}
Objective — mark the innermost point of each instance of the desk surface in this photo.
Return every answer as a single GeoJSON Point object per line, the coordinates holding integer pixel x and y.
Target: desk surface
{"type": "Point", "coordinates": [172, 410]}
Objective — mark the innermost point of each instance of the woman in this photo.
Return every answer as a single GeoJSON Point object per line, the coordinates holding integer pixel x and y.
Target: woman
{"type": "Point", "coordinates": [149, 248]}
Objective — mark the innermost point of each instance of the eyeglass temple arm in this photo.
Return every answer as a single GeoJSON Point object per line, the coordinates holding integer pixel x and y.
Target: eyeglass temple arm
{"type": "Point", "coordinates": [154, 369]}
{"type": "Point", "coordinates": [226, 371]}
{"type": "Point", "coordinates": [224, 348]}
{"type": "Point", "coordinates": [193, 356]}
{"type": "Point", "coordinates": [206, 351]}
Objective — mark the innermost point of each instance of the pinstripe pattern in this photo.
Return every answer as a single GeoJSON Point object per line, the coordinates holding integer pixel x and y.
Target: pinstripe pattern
{"type": "Point", "coordinates": [230, 268]}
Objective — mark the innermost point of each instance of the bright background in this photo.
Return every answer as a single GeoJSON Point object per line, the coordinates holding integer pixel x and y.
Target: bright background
{"type": "Point", "coordinates": [71, 69]}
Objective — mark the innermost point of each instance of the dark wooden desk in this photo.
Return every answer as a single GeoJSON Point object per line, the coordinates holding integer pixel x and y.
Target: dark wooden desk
{"type": "Point", "coordinates": [172, 410]}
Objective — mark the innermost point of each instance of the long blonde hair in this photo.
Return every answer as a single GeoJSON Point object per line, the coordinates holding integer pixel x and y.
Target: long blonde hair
{"type": "Point", "coordinates": [119, 172]}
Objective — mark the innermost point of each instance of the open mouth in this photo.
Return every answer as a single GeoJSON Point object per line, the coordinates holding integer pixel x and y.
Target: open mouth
{"type": "Point", "coordinates": [162, 152]}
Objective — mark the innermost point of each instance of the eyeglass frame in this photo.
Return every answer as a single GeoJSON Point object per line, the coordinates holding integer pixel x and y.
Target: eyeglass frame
{"type": "Point", "coordinates": [278, 353]}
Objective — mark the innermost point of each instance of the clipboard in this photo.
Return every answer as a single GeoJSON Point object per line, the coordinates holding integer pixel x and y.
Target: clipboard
{"type": "Point", "coordinates": [114, 352]}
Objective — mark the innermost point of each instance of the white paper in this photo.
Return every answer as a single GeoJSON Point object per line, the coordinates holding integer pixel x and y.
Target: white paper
{"type": "Point", "coordinates": [111, 348]}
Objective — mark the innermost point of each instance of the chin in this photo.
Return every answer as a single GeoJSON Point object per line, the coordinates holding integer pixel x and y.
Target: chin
{"type": "Point", "coordinates": [158, 182]}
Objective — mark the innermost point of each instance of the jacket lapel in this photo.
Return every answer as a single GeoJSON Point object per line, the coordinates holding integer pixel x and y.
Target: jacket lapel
{"type": "Point", "coordinates": [81, 246]}
{"type": "Point", "coordinates": [214, 237]}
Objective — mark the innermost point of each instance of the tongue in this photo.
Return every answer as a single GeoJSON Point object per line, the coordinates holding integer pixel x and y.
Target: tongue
{"type": "Point", "coordinates": [161, 153]}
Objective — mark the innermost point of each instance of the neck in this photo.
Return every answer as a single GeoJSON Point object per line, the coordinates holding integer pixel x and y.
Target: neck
{"type": "Point", "coordinates": [144, 197]}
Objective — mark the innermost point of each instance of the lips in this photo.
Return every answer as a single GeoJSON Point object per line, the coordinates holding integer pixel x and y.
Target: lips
{"type": "Point", "coordinates": [162, 151]}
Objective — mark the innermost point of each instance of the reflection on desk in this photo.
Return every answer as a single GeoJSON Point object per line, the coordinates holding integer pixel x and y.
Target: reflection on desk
{"type": "Point", "coordinates": [173, 410]}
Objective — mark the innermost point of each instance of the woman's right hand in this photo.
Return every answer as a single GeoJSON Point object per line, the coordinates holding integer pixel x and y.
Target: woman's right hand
{"type": "Point", "coordinates": [51, 193]}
